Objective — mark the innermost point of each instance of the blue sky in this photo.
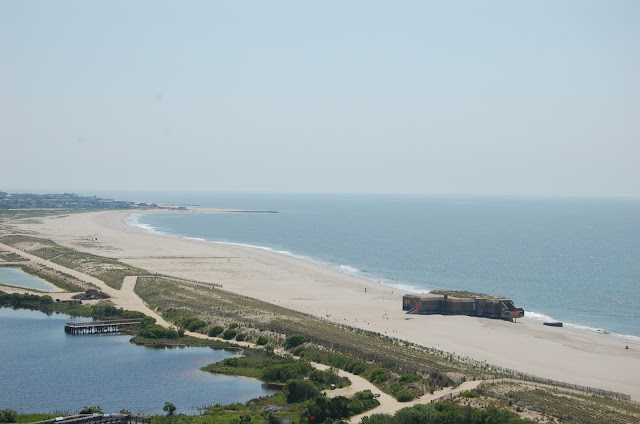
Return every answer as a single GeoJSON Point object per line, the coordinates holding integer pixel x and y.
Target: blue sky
{"type": "Point", "coordinates": [450, 97]}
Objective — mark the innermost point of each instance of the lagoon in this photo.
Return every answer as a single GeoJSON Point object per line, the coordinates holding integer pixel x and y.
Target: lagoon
{"type": "Point", "coordinates": [18, 278]}
{"type": "Point", "coordinates": [45, 370]}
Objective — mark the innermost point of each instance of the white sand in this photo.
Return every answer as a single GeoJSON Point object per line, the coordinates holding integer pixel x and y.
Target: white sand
{"type": "Point", "coordinates": [557, 353]}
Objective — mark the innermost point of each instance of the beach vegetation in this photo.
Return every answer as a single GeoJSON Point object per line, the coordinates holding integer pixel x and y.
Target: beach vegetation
{"type": "Point", "coordinates": [298, 391]}
{"type": "Point", "coordinates": [470, 394]}
{"type": "Point", "coordinates": [441, 412]}
{"type": "Point", "coordinates": [409, 378]}
{"type": "Point", "coordinates": [182, 341]}
{"type": "Point", "coordinates": [91, 410]}
{"type": "Point", "coordinates": [229, 334]}
{"type": "Point", "coordinates": [294, 340]}
{"type": "Point", "coordinates": [562, 404]}
{"type": "Point", "coordinates": [378, 375]}
{"type": "Point", "coordinates": [193, 324]}
{"type": "Point", "coordinates": [156, 331]}
{"type": "Point", "coordinates": [241, 337]}
{"type": "Point", "coordinates": [215, 331]}
{"type": "Point", "coordinates": [323, 408]}
{"type": "Point", "coordinates": [264, 365]}
{"type": "Point", "coordinates": [262, 340]}
{"type": "Point", "coordinates": [8, 416]}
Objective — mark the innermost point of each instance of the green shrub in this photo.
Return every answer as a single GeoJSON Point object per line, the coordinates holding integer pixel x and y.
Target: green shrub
{"type": "Point", "coordinates": [299, 351]}
{"type": "Point", "coordinates": [214, 331]}
{"type": "Point", "coordinates": [8, 416]}
{"type": "Point", "coordinates": [404, 396]}
{"type": "Point", "coordinates": [240, 337]}
{"type": "Point", "coordinates": [470, 394]}
{"type": "Point", "coordinates": [300, 390]}
{"type": "Point", "coordinates": [91, 410]}
{"type": "Point", "coordinates": [378, 375]}
{"type": "Point", "coordinates": [233, 325]}
{"type": "Point", "coordinates": [193, 324]}
{"type": "Point", "coordinates": [409, 378]}
{"type": "Point", "coordinates": [358, 369]}
{"type": "Point", "coordinates": [231, 362]}
{"type": "Point", "coordinates": [283, 372]}
{"type": "Point", "coordinates": [262, 340]}
{"type": "Point", "coordinates": [229, 334]}
{"type": "Point", "coordinates": [362, 401]}
{"type": "Point", "coordinates": [294, 340]}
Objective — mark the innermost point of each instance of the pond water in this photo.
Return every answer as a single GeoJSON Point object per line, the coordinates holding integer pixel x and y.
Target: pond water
{"type": "Point", "coordinates": [18, 278]}
{"type": "Point", "coordinates": [43, 369]}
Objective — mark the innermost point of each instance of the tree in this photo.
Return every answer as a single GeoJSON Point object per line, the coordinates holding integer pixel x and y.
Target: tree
{"type": "Point", "coordinates": [169, 408]}
{"type": "Point", "coordinates": [300, 390]}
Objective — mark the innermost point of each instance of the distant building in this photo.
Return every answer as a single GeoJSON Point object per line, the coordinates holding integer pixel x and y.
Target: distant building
{"type": "Point", "coordinates": [461, 303]}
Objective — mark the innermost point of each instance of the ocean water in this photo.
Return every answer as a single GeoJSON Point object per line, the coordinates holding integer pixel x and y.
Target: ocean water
{"type": "Point", "coordinates": [572, 260]}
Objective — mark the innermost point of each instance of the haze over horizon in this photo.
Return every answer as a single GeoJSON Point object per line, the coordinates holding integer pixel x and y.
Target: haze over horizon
{"type": "Point", "coordinates": [536, 98]}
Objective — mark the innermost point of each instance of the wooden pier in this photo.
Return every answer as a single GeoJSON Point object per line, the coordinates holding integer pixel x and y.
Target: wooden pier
{"type": "Point", "coordinates": [99, 327]}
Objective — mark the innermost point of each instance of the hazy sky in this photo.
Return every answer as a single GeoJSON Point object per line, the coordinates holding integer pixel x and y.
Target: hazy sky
{"type": "Point", "coordinates": [449, 97]}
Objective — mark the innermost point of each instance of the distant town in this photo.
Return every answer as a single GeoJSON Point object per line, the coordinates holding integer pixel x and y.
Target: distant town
{"type": "Point", "coordinates": [66, 201]}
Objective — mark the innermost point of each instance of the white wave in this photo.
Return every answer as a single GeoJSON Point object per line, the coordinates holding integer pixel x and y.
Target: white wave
{"type": "Point", "coordinates": [133, 220]}
{"type": "Point", "coordinates": [194, 238]}
{"type": "Point", "coordinates": [538, 317]}
{"type": "Point", "coordinates": [348, 268]}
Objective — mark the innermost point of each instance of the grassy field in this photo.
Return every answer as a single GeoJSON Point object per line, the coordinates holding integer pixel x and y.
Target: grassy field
{"type": "Point", "coordinates": [111, 271]}
{"type": "Point", "coordinates": [562, 404]}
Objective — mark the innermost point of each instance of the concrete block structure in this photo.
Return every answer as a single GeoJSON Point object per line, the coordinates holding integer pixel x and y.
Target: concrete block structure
{"type": "Point", "coordinates": [461, 303]}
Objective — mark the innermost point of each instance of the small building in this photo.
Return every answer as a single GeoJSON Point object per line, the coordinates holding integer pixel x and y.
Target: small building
{"type": "Point", "coordinates": [461, 303]}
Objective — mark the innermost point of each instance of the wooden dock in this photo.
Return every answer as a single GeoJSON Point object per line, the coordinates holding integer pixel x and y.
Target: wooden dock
{"type": "Point", "coordinates": [99, 327]}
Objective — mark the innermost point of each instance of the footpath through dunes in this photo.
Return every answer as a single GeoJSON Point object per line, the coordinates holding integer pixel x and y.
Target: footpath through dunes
{"type": "Point", "coordinates": [124, 298]}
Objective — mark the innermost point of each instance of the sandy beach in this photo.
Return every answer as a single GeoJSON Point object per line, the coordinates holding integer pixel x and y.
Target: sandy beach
{"type": "Point", "coordinates": [528, 346]}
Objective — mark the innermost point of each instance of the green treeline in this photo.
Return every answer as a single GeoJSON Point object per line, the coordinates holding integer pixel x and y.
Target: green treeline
{"type": "Point", "coordinates": [47, 305]}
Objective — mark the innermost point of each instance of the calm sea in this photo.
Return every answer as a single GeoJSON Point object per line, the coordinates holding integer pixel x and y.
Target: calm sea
{"type": "Point", "coordinates": [64, 373]}
{"type": "Point", "coordinates": [573, 260]}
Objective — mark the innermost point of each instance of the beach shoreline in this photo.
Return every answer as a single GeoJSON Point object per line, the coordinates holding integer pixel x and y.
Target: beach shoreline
{"type": "Point", "coordinates": [574, 356]}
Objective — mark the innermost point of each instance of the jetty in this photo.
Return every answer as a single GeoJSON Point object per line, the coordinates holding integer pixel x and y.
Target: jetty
{"type": "Point", "coordinates": [99, 327]}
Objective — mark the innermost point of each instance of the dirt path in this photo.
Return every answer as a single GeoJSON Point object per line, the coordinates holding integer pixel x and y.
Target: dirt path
{"type": "Point", "coordinates": [124, 298]}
